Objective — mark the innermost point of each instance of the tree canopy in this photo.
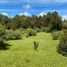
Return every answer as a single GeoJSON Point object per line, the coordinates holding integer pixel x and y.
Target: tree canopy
{"type": "Point", "coordinates": [51, 20]}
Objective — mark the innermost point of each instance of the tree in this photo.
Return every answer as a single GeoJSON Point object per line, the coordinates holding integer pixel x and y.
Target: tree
{"type": "Point", "coordinates": [15, 22]}
{"type": "Point", "coordinates": [4, 20]}
{"type": "Point", "coordinates": [56, 21]}
{"type": "Point", "coordinates": [51, 21]}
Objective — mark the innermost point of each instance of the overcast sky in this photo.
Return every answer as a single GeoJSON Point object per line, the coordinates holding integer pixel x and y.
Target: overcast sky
{"type": "Point", "coordinates": [30, 7]}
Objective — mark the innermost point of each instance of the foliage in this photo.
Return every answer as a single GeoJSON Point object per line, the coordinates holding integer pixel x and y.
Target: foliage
{"type": "Point", "coordinates": [46, 29]}
{"type": "Point", "coordinates": [62, 47]}
{"type": "Point", "coordinates": [31, 32]}
{"type": "Point", "coordinates": [2, 32]}
{"type": "Point", "coordinates": [36, 44]}
{"type": "Point", "coordinates": [4, 20]}
{"type": "Point", "coordinates": [17, 35]}
{"type": "Point", "coordinates": [42, 29]}
{"type": "Point", "coordinates": [37, 29]}
{"type": "Point", "coordinates": [65, 24]}
{"type": "Point", "coordinates": [56, 35]}
{"type": "Point", "coordinates": [51, 21]}
{"type": "Point", "coordinates": [12, 35]}
{"type": "Point", "coordinates": [56, 22]}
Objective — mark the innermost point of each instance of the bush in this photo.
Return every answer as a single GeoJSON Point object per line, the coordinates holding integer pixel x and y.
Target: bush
{"type": "Point", "coordinates": [17, 35]}
{"type": "Point", "coordinates": [46, 29]}
{"type": "Point", "coordinates": [9, 35]}
{"type": "Point", "coordinates": [38, 29]}
{"type": "Point", "coordinates": [36, 44]}
{"type": "Point", "coordinates": [12, 35]}
{"type": "Point", "coordinates": [62, 47]}
{"type": "Point", "coordinates": [56, 35]}
{"type": "Point", "coordinates": [31, 32]}
{"type": "Point", "coordinates": [43, 29]}
{"type": "Point", "coordinates": [2, 33]}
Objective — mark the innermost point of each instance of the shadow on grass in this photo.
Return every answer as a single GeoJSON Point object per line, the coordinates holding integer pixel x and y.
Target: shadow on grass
{"type": "Point", "coordinates": [4, 46]}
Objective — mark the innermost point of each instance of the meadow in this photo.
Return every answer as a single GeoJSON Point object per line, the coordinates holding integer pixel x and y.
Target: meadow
{"type": "Point", "coordinates": [20, 53]}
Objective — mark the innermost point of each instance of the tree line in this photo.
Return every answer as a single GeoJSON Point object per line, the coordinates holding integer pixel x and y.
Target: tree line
{"type": "Point", "coordinates": [50, 21]}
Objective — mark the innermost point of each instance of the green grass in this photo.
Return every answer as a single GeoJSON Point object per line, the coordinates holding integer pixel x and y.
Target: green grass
{"type": "Point", "coordinates": [22, 54]}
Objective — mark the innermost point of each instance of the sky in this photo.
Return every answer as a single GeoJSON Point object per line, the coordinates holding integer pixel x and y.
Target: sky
{"type": "Point", "coordinates": [33, 7]}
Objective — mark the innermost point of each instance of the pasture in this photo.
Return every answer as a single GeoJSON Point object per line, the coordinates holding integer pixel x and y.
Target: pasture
{"type": "Point", "coordinates": [20, 53]}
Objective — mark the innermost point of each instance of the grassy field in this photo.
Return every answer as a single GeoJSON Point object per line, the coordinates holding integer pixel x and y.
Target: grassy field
{"type": "Point", "coordinates": [22, 54]}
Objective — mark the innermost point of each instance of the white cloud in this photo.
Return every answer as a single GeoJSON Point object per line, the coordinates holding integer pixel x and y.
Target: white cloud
{"type": "Point", "coordinates": [26, 6]}
{"type": "Point", "coordinates": [41, 14]}
{"type": "Point", "coordinates": [25, 13]}
{"type": "Point", "coordinates": [4, 14]}
{"type": "Point", "coordinates": [64, 17]}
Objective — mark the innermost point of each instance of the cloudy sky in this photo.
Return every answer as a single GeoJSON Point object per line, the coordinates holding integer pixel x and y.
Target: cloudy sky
{"type": "Point", "coordinates": [30, 7]}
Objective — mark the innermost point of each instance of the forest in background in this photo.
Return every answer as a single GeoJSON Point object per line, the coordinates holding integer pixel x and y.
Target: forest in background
{"type": "Point", "coordinates": [49, 22]}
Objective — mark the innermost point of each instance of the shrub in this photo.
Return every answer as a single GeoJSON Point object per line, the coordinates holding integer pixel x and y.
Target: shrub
{"type": "Point", "coordinates": [38, 29]}
{"type": "Point", "coordinates": [12, 35]}
{"type": "Point", "coordinates": [65, 25]}
{"type": "Point", "coordinates": [36, 44]}
{"type": "Point", "coordinates": [31, 32]}
{"type": "Point", "coordinates": [17, 35]}
{"type": "Point", "coordinates": [2, 33]}
{"type": "Point", "coordinates": [8, 35]}
{"type": "Point", "coordinates": [56, 35]}
{"type": "Point", "coordinates": [62, 47]}
{"type": "Point", "coordinates": [46, 29]}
